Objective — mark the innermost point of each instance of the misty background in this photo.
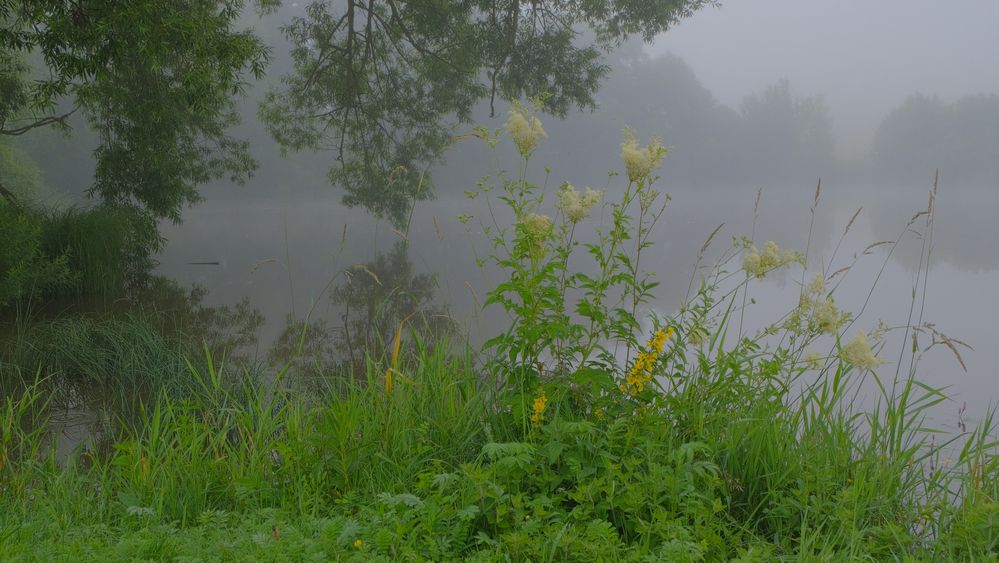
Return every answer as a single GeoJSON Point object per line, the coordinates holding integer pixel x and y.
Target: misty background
{"type": "Point", "coordinates": [873, 98]}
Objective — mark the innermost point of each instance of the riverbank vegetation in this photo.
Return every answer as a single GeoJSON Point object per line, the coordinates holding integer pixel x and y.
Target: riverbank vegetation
{"type": "Point", "coordinates": [589, 428]}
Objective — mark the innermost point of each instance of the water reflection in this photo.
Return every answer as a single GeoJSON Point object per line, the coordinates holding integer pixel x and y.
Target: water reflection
{"type": "Point", "coordinates": [100, 360]}
{"type": "Point", "coordinates": [372, 301]}
{"type": "Point", "coordinates": [305, 237]}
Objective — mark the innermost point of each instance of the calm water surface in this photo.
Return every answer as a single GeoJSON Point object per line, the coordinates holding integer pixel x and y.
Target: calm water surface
{"type": "Point", "coordinates": [283, 253]}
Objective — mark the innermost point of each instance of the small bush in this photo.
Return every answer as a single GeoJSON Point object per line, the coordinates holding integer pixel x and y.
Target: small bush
{"type": "Point", "coordinates": [26, 269]}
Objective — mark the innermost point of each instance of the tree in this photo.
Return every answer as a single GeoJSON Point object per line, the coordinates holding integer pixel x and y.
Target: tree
{"type": "Point", "coordinates": [785, 136]}
{"type": "Point", "coordinates": [382, 83]}
{"type": "Point", "coordinates": [155, 79]}
{"type": "Point", "coordinates": [924, 134]}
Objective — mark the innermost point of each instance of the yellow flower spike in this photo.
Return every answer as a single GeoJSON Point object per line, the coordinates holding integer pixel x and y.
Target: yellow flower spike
{"type": "Point", "coordinates": [538, 409]}
{"type": "Point", "coordinates": [641, 370]}
{"type": "Point", "coordinates": [358, 543]}
{"type": "Point", "coordinates": [396, 347]}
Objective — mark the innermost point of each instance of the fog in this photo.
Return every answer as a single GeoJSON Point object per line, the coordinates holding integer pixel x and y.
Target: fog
{"type": "Point", "coordinates": [863, 58]}
{"type": "Point", "coordinates": [873, 98]}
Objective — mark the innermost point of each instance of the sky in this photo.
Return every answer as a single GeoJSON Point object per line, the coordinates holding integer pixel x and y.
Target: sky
{"type": "Point", "coordinates": [863, 57]}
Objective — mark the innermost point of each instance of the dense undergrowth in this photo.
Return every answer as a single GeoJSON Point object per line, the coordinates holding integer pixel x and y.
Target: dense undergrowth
{"type": "Point", "coordinates": [582, 432]}
{"type": "Point", "coordinates": [51, 253]}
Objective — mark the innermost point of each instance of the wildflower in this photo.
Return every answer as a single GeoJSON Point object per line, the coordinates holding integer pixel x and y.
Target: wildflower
{"type": "Point", "coordinates": [825, 317]}
{"type": "Point", "coordinates": [858, 352]}
{"type": "Point", "coordinates": [538, 225]}
{"type": "Point", "coordinates": [816, 311]}
{"type": "Point", "coordinates": [525, 130]}
{"type": "Point", "coordinates": [358, 543]}
{"type": "Point", "coordinates": [658, 341]}
{"type": "Point", "coordinates": [537, 228]}
{"type": "Point", "coordinates": [574, 206]}
{"type": "Point", "coordinates": [640, 373]}
{"type": "Point", "coordinates": [696, 336]}
{"type": "Point", "coordinates": [818, 285]}
{"type": "Point", "coordinates": [813, 360]}
{"type": "Point", "coordinates": [538, 409]}
{"type": "Point", "coordinates": [757, 263]}
{"type": "Point", "coordinates": [640, 162]}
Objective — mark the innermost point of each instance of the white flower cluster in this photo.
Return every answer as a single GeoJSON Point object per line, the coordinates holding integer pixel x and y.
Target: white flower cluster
{"type": "Point", "coordinates": [576, 206]}
{"type": "Point", "coordinates": [537, 228]}
{"type": "Point", "coordinates": [640, 162]}
{"type": "Point", "coordinates": [537, 225]}
{"type": "Point", "coordinates": [813, 360]}
{"type": "Point", "coordinates": [757, 263]}
{"type": "Point", "coordinates": [858, 353]}
{"type": "Point", "coordinates": [816, 310]}
{"type": "Point", "coordinates": [525, 130]}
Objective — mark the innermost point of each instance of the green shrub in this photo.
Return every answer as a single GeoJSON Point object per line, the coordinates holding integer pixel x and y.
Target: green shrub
{"type": "Point", "coordinates": [26, 269]}
{"type": "Point", "coordinates": [109, 248]}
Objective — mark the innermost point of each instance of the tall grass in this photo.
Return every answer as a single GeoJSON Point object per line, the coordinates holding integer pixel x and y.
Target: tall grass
{"type": "Point", "coordinates": [98, 354]}
{"type": "Point", "coordinates": [727, 466]}
{"type": "Point", "coordinates": [109, 248]}
{"type": "Point", "coordinates": [570, 437]}
{"type": "Point", "coordinates": [100, 251]}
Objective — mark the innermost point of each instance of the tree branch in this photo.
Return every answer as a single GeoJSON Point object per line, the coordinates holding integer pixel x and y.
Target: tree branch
{"type": "Point", "coordinates": [60, 119]}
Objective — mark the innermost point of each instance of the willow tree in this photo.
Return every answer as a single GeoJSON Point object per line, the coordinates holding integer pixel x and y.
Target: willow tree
{"type": "Point", "coordinates": [382, 83]}
{"type": "Point", "coordinates": [156, 80]}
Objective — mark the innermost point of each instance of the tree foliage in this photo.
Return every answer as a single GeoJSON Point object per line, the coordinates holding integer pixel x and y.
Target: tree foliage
{"type": "Point", "coordinates": [381, 83]}
{"type": "Point", "coordinates": [155, 79]}
{"type": "Point", "coordinates": [789, 136]}
{"type": "Point", "coordinates": [924, 134]}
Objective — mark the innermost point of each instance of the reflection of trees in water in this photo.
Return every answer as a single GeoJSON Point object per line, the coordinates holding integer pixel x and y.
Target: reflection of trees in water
{"type": "Point", "coordinates": [375, 299]}
{"type": "Point", "coordinates": [965, 229]}
{"type": "Point", "coordinates": [226, 330]}
{"type": "Point", "coordinates": [100, 361]}
{"type": "Point", "coordinates": [380, 84]}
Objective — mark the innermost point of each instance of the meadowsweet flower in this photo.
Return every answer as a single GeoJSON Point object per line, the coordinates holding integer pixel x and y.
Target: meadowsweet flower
{"type": "Point", "coordinates": [813, 360]}
{"type": "Point", "coordinates": [538, 225]}
{"type": "Point", "coordinates": [816, 311]}
{"type": "Point", "coordinates": [825, 317]}
{"type": "Point", "coordinates": [859, 354]}
{"type": "Point", "coordinates": [526, 130]}
{"type": "Point", "coordinates": [639, 162]}
{"type": "Point", "coordinates": [758, 262]}
{"type": "Point", "coordinates": [696, 336]}
{"type": "Point", "coordinates": [537, 228]}
{"type": "Point", "coordinates": [538, 409]}
{"type": "Point", "coordinates": [818, 285]}
{"type": "Point", "coordinates": [574, 206]}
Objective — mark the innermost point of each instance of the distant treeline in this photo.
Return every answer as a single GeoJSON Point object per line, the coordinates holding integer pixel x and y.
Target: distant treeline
{"type": "Point", "coordinates": [926, 133]}
{"type": "Point", "coordinates": [778, 138]}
